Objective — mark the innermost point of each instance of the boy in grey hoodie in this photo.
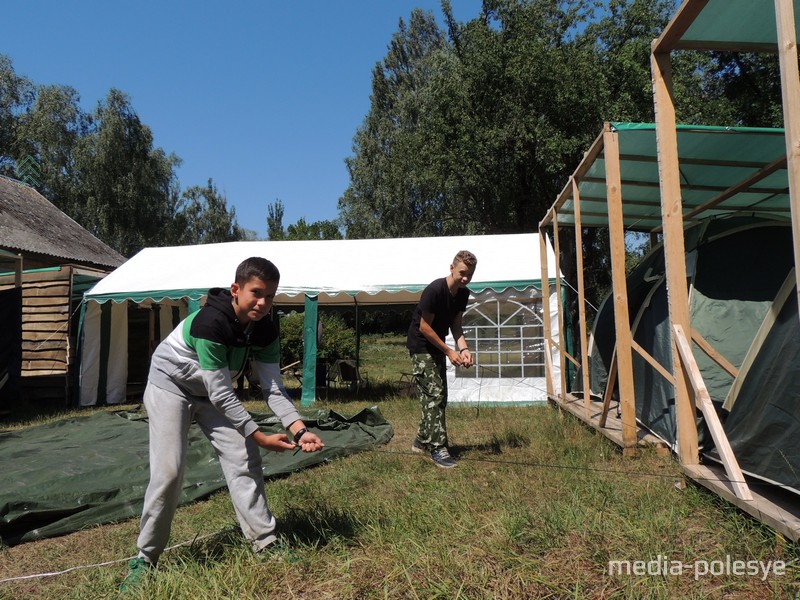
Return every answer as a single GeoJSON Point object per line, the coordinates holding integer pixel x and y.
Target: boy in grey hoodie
{"type": "Point", "coordinates": [191, 378]}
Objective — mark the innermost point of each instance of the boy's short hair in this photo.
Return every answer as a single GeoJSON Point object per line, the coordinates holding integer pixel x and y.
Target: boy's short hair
{"type": "Point", "coordinates": [256, 266]}
{"type": "Point", "coordinates": [466, 257]}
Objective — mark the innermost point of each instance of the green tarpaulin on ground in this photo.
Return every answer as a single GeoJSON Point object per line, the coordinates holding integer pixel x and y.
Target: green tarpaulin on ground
{"type": "Point", "coordinates": [85, 471]}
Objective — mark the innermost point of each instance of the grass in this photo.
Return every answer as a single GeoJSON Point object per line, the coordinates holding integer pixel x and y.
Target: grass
{"type": "Point", "coordinates": [537, 508]}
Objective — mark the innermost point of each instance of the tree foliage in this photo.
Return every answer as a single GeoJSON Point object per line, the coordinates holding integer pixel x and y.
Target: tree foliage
{"type": "Point", "coordinates": [301, 230]}
{"type": "Point", "coordinates": [102, 169]}
{"type": "Point", "coordinates": [474, 128]}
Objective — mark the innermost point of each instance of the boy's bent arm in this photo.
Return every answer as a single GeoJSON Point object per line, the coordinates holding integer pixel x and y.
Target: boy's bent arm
{"type": "Point", "coordinates": [269, 375]}
{"type": "Point", "coordinates": [220, 392]}
{"type": "Point", "coordinates": [426, 329]}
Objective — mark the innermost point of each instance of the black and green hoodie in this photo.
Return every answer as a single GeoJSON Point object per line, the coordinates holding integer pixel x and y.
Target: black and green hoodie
{"type": "Point", "coordinates": [209, 349]}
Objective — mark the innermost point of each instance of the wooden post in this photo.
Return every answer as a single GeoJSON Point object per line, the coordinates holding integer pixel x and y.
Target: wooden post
{"type": "Point", "coordinates": [18, 270]}
{"type": "Point", "coordinates": [674, 257]}
{"type": "Point", "coordinates": [548, 355]}
{"type": "Point", "coordinates": [790, 94]}
{"type": "Point", "coordinates": [562, 338]}
{"type": "Point", "coordinates": [616, 229]}
{"type": "Point", "coordinates": [576, 199]}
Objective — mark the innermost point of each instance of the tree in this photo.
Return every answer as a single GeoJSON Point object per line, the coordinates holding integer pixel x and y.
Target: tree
{"type": "Point", "coordinates": [128, 186]}
{"type": "Point", "coordinates": [318, 230]}
{"type": "Point", "coordinates": [16, 95]}
{"type": "Point", "coordinates": [50, 132]}
{"type": "Point", "coordinates": [206, 218]}
{"type": "Point", "coordinates": [275, 221]}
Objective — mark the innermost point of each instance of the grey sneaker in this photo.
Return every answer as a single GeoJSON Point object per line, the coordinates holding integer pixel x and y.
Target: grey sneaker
{"type": "Point", "coordinates": [419, 447]}
{"type": "Point", "coordinates": [442, 458]}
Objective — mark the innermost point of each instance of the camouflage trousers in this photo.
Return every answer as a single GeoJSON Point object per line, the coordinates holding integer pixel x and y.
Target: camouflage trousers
{"type": "Point", "coordinates": [429, 374]}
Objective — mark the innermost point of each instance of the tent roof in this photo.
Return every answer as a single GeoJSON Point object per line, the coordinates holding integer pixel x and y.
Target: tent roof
{"type": "Point", "coordinates": [744, 25]}
{"type": "Point", "coordinates": [382, 271]}
{"type": "Point", "coordinates": [723, 170]}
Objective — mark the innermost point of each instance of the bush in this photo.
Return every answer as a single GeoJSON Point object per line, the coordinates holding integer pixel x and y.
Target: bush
{"type": "Point", "coordinates": [338, 340]}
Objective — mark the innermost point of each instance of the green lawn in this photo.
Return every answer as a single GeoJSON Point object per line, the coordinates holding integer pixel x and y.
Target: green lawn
{"type": "Point", "coordinates": [537, 508]}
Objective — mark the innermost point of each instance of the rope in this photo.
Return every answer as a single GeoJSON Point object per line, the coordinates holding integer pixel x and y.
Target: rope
{"type": "Point", "coordinates": [104, 564]}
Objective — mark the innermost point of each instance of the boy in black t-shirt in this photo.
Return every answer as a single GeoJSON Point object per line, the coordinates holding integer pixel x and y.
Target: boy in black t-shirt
{"type": "Point", "coordinates": [440, 308]}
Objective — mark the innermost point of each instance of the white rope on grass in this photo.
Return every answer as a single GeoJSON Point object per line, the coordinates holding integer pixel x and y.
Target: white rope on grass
{"type": "Point", "coordinates": [102, 564]}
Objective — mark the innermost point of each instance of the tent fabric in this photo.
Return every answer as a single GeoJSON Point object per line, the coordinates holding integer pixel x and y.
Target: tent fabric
{"type": "Point", "coordinates": [334, 272]}
{"type": "Point", "coordinates": [712, 161]}
{"type": "Point", "coordinates": [764, 423]}
{"type": "Point", "coordinates": [86, 471]}
{"type": "Point", "coordinates": [736, 267]}
{"type": "Point", "coordinates": [724, 25]}
{"type": "Point", "coordinates": [383, 271]}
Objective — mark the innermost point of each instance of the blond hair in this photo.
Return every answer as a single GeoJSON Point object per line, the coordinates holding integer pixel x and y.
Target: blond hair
{"type": "Point", "coordinates": [466, 257]}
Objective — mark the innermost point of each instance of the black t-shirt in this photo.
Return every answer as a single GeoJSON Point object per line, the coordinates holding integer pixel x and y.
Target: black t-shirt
{"type": "Point", "coordinates": [437, 299]}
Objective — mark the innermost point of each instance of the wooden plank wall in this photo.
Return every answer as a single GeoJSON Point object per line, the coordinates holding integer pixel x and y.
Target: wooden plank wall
{"type": "Point", "coordinates": [46, 345]}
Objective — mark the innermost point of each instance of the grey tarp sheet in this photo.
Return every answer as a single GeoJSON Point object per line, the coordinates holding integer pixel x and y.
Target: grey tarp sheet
{"type": "Point", "coordinates": [84, 471]}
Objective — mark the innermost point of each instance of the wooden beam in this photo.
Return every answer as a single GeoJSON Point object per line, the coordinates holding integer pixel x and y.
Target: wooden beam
{"type": "Point", "coordinates": [581, 297]}
{"type": "Point", "coordinates": [653, 362]}
{"type": "Point", "coordinates": [610, 383]}
{"type": "Point", "coordinates": [766, 326]}
{"type": "Point", "coordinates": [721, 443]}
{"type": "Point", "coordinates": [586, 163]}
{"type": "Point", "coordinates": [548, 362]}
{"type": "Point", "coordinates": [678, 25]}
{"type": "Point", "coordinates": [705, 162]}
{"type": "Point", "coordinates": [616, 231]}
{"type": "Point", "coordinates": [566, 354]}
{"type": "Point", "coordinates": [674, 249]}
{"type": "Point", "coordinates": [790, 94]}
{"type": "Point", "coordinates": [740, 187]}
{"type": "Point", "coordinates": [561, 334]}
{"type": "Point", "coordinates": [712, 353]}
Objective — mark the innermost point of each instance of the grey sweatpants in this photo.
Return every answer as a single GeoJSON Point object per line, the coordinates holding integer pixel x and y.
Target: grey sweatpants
{"type": "Point", "coordinates": [169, 416]}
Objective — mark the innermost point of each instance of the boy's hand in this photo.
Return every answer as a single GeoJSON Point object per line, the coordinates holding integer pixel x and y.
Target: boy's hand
{"type": "Point", "coordinates": [310, 442]}
{"type": "Point", "coordinates": [277, 442]}
{"type": "Point", "coordinates": [455, 358]}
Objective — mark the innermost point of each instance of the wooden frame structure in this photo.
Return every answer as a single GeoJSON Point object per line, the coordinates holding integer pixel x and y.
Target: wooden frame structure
{"type": "Point", "coordinates": [697, 25]}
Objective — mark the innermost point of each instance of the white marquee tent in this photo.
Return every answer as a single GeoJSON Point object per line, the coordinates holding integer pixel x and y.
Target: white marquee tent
{"type": "Point", "coordinates": [503, 319]}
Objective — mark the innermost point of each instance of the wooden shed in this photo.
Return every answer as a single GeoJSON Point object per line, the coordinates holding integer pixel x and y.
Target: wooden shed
{"type": "Point", "coordinates": [52, 260]}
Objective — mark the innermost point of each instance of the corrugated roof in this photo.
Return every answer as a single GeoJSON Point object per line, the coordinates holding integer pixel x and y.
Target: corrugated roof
{"type": "Point", "coordinates": [30, 223]}
{"type": "Point", "coordinates": [723, 170]}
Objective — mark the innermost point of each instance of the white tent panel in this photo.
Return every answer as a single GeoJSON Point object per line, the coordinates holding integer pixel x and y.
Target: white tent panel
{"type": "Point", "coordinates": [90, 356]}
{"type": "Point", "coordinates": [374, 271]}
{"type": "Point", "coordinates": [385, 271]}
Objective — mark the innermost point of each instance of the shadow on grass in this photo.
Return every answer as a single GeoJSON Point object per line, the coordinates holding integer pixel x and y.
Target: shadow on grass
{"type": "Point", "coordinates": [317, 525]}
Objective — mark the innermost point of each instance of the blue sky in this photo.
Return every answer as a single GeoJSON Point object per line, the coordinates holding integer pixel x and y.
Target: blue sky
{"type": "Point", "coordinates": [264, 97]}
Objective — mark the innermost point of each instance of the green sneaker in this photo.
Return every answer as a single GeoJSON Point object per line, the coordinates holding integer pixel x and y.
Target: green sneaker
{"type": "Point", "coordinates": [138, 569]}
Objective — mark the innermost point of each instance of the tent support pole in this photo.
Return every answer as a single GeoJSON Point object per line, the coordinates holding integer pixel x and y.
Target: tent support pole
{"type": "Point", "coordinates": [309, 393]}
{"type": "Point", "coordinates": [561, 333]}
{"type": "Point", "coordinates": [576, 199]}
{"type": "Point", "coordinates": [622, 325]}
{"type": "Point", "coordinates": [674, 248]}
{"type": "Point", "coordinates": [790, 95]}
